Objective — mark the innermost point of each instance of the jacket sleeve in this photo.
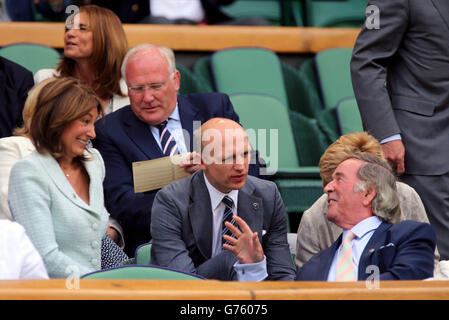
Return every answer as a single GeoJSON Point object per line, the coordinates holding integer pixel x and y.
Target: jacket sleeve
{"type": "Point", "coordinates": [414, 252]}
{"type": "Point", "coordinates": [275, 245]}
{"type": "Point", "coordinates": [372, 54]}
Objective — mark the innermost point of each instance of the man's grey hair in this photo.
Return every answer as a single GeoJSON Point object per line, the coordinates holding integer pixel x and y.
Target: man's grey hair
{"type": "Point", "coordinates": [375, 173]}
{"type": "Point", "coordinates": [164, 51]}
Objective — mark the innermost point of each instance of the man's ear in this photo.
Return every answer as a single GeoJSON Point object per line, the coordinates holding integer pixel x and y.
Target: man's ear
{"type": "Point", "coordinates": [368, 196]}
{"type": "Point", "coordinates": [177, 80]}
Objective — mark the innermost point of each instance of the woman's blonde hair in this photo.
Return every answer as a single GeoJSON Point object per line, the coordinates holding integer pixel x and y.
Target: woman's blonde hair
{"type": "Point", "coordinates": [109, 48]}
{"type": "Point", "coordinates": [344, 148]}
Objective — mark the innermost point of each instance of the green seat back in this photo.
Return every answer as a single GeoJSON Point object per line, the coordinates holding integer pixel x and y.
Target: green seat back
{"type": "Point", "coordinates": [248, 70]}
{"type": "Point", "coordinates": [292, 13]}
{"type": "Point", "coordinates": [142, 273]}
{"type": "Point", "coordinates": [299, 194]}
{"type": "Point", "coordinates": [143, 254]}
{"type": "Point", "coordinates": [301, 93]}
{"type": "Point", "coordinates": [201, 68]}
{"type": "Point", "coordinates": [266, 112]}
{"type": "Point", "coordinates": [348, 117]}
{"type": "Point", "coordinates": [190, 83]}
{"type": "Point", "coordinates": [348, 13]}
{"type": "Point", "coordinates": [310, 141]}
{"type": "Point", "coordinates": [31, 56]}
{"type": "Point", "coordinates": [334, 75]}
{"type": "Point", "coordinates": [268, 9]}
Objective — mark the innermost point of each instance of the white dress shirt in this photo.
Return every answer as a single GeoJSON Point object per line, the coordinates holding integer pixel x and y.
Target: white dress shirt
{"type": "Point", "coordinates": [175, 128]}
{"type": "Point", "coordinates": [245, 272]}
{"type": "Point", "coordinates": [178, 9]}
{"type": "Point", "coordinates": [19, 259]}
{"type": "Point", "coordinates": [363, 232]}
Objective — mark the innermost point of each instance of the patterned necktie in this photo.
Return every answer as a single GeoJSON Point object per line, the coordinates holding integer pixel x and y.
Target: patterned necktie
{"type": "Point", "coordinates": [227, 216]}
{"type": "Point", "coordinates": [345, 265]}
{"type": "Point", "coordinates": [168, 143]}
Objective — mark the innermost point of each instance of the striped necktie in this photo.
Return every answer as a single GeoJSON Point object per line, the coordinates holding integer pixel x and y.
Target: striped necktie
{"type": "Point", "coordinates": [345, 265]}
{"type": "Point", "coordinates": [168, 143]}
{"type": "Point", "coordinates": [227, 216]}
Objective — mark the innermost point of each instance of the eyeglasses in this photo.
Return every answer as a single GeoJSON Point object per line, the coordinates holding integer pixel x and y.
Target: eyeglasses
{"type": "Point", "coordinates": [155, 87]}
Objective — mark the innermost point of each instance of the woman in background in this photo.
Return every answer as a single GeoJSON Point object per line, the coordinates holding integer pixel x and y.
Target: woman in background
{"type": "Point", "coordinates": [94, 47]}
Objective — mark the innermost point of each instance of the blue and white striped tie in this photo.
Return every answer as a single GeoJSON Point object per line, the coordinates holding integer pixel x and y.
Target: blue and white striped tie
{"type": "Point", "coordinates": [168, 142]}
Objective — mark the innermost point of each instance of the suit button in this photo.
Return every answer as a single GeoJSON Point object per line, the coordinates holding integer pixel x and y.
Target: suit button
{"type": "Point", "coordinates": [94, 244]}
{"type": "Point", "coordinates": [135, 7]}
{"type": "Point", "coordinates": [94, 261]}
{"type": "Point", "coordinates": [95, 226]}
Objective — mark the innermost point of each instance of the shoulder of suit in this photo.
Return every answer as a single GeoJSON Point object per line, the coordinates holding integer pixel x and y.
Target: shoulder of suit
{"type": "Point", "coordinates": [203, 96]}
{"type": "Point", "coordinates": [407, 228]}
{"type": "Point", "coordinates": [259, 183]}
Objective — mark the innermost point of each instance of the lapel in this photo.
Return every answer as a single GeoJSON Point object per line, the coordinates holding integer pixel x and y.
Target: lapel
{"type": "Point", "coordinates": [250, 208]}
{"type": "Point", "coordinates": [54, 171]}
{"type": "Point", "coordinates": [377, 239]}
{"type": "Point", "coordinates": [325, 260]}
{"type": "Point", "coordinates": [443, 8]}
{"type": "Point", "coordinates": [188, 113]}
{"type": "Point", "coordinates": [200, 214]}
{"type": "Point", "coordinates": [140, 133]}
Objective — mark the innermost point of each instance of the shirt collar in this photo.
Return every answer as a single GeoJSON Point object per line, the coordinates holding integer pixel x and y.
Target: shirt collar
{"type": "Point", "coordinates": [174, 116]}
{"type": "Point", "coordinates": [216, 196]}
{"type": "Point", "coordinates": [365, 226]}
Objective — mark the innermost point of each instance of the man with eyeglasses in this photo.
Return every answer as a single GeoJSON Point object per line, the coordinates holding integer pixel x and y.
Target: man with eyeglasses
{"type": "Point", "coordinates": [153, 126]}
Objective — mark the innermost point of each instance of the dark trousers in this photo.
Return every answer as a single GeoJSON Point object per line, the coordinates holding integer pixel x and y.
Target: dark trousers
{"type": "Point", "coordinates": [434, 193]}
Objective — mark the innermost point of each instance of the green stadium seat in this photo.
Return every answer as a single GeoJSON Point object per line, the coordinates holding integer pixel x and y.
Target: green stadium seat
{"type": "Point", "coordinates": [310, 141]}
{"type": "Point", "coordinates": [254, 70]}
{"type": "Point", "coordinates": [292, 13]}
{"type": "Point", "coordinates": [142, 273]}
{"type": "Point", "coordinates": [302, 94]}
{"type": "Point", "coordinates": [348, 116]}
{"type": "Point", "coordinates": [190, 82]}
{"type": "Point", "coordinates": [31, 56]}
{"type": "Point", "coordinates": [201, 68]}
{"type": "Point", "coordinates": [334, 75]}
{"type": "Point", "coordinates": [268, 9]}
{"type": "Point", "coordinates": [341, 14]}
{"type": "Point", "coordinates": [143, 254]}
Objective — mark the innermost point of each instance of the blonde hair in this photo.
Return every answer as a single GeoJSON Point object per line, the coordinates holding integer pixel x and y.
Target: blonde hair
{"type": "Point", "coordinates": [28, 110]}
{"type": "Point", "coordinates": [344, 148]}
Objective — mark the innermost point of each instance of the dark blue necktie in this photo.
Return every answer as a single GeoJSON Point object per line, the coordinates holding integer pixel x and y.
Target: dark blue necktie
{"type": "Point", "coordinates": [227, 216]}
{"type": "Point", "coordinates": [168, 143]}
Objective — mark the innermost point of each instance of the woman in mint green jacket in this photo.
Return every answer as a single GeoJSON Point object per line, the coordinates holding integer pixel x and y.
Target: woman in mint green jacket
{"type": "Point", "coordinates": [56, 193]}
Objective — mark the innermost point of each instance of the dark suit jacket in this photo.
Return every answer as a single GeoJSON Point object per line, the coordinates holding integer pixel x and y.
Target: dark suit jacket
{"type": "Point", "coordinates": [123, 139]}
{"type": "Point", "coordinates": [182, 228]}
{"type": "Point", "coordinates": [404, 251]}
{"type": "Point", "coordinates": [134, 11]}
{"type": "Point", "coordinates": [15, 81]}
{"type": "Point", "coordinates": [410, 52]}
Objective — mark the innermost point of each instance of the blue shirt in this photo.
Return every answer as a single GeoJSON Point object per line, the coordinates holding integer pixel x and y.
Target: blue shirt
{"type": "Point", "coordinates": [363, 232]}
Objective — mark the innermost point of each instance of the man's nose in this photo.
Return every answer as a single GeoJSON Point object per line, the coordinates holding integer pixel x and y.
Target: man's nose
{"type": "Point", "coordinates": [329, 187]}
